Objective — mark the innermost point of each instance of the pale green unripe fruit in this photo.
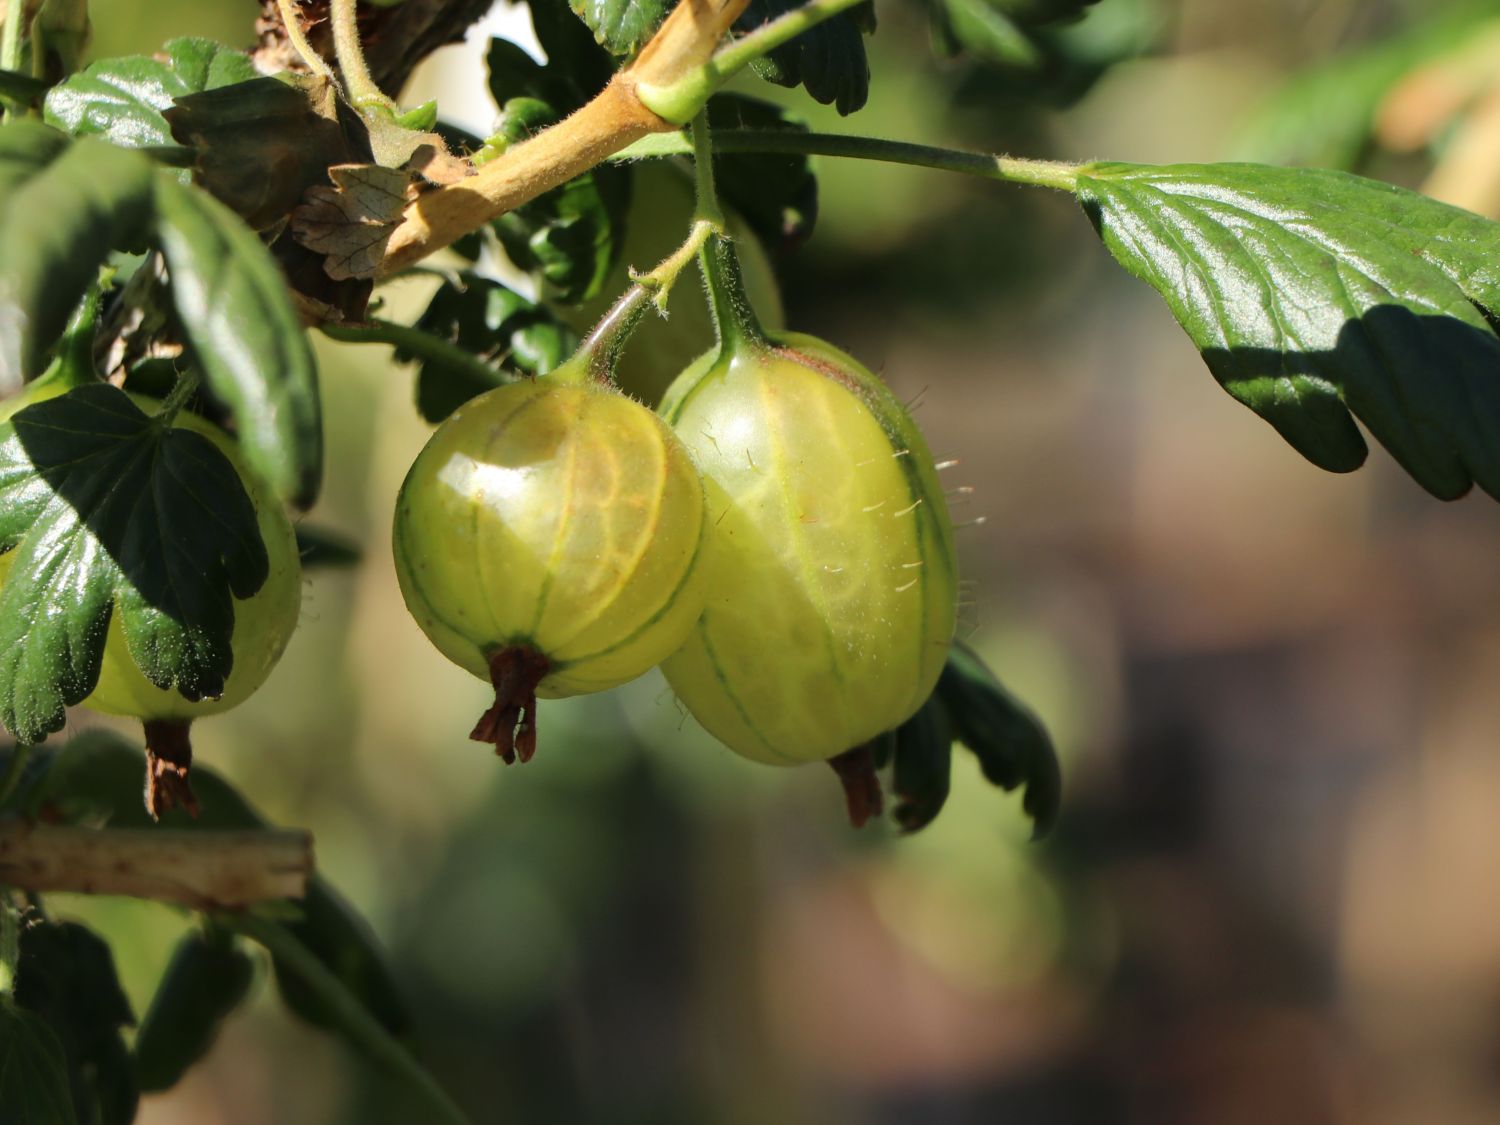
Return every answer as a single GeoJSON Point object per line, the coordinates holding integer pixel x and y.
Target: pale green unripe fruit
{"type": "Point", "coordinates": [557, 518]}
{"type": "Point", "coordinates": [832, 585]}
{"type": "Point", "coordinates": [263, 623]}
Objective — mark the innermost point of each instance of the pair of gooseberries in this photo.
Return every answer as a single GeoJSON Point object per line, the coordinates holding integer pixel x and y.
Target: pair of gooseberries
{"type": "Point", "coordinates": [776, 538]}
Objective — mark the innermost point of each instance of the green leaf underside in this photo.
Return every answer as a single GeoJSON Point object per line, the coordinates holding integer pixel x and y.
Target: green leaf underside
{"type": "Point", "coordinates": [110, 513]}
{"type": "Point", "coordinates": [62, 209]}
{"type": "Point", "coordinates": [33, 1071]}
{"type": "Point", "coordinates": [1011, 744]}
{"type": "Point", "coordinates": [1316, 294]}
{"type": "Point", "coordinates": [123, 99]}
{"type": "Point", "coordinates": [233, 306]}
{"type": "Point", "coordinates": [829, 59]}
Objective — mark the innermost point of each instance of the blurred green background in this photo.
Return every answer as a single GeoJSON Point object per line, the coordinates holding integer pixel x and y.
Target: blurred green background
{"type": "Point", "coordinates": [1271, 897]}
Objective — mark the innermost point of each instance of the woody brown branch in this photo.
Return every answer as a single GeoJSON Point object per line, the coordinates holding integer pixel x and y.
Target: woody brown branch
{"type": "Point", "coordinates": [611, 121]}
{"type": "Point", "coordinates": [203, 870]}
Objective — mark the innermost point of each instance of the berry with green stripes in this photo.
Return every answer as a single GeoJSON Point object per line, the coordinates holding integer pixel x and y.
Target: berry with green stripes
{"type": "Point", "coordinates": [832, 587]}
{"type": "Point", "coordinates": [550, 538]}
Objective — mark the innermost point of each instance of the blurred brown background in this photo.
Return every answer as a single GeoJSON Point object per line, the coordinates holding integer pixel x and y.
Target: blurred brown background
{"type": "Point", "coordinates": [1272, 896]}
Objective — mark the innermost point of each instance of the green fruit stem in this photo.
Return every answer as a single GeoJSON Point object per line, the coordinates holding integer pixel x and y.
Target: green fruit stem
{"type": "Point", "coordinates": [352, 67]}
{"type": "Point", "coordinates": [313, 61]}
{"type": "Point", "coordinates": [794, 142]}
{"type": "Point", "coordinates": [10, 39]}
{"type": "Point", "coordinates": [183, 390]}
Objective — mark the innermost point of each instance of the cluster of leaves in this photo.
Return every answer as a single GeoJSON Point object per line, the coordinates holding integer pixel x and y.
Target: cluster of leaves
{"type": "Point", "coordinates": [63, 1020]}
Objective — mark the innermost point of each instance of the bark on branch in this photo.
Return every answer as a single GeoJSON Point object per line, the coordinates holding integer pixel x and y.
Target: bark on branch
{"type": "Point", "coordinates": [203, 870]}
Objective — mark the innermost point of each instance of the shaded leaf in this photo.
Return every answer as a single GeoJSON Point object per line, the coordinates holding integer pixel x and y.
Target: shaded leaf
{"type": "Point", "coordinates": [66, 976]}
{"type": "Point", "coordinates": [923, 756]}
{"type": "Point", "coordinates": [208, 977]}
{"type": "Point", "coordinates": [235, 311]}
{"type": "Point", "coordinates": [262, 144]}
{"type": "Point", "coordinates": [62, 209]}
{"type": "Point", "coordinates": [776, 195]}
{"type": "Point", "coordinates": [1011, 744]}
{"type": "Point", "coordinates": [123, 99]}
{"type": "Point", "coordinates": [490, 327]}
{"type": "Point", "coordinates": [829, 59]}
{"type": "Point", "coordinates": [108, 512]}
{"type": "Point", "coordinates": [1316, 294]}
{"type": "Point", "coordinates": [569, 47]}
{"type": "Point", "coordinates": [21, 88]}
{"type": "Point", "coordinates": [33, 1071]}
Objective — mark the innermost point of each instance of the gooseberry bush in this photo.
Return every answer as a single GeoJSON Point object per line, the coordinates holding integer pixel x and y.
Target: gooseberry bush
{"type": "Point", "coordinates": [753, 511]}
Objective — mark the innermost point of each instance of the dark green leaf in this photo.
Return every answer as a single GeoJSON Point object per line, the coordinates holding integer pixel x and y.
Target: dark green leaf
{"type": "Point", "coordinates": [1314, 294]}
{"type": "Point", "coordinates": [97, 775]}
{"type": "Point", "coordinates": [234, 308]}
{"type": "Point", "coordinates": [776, 195]}
{"type": "Point", "coordinates": [33, 1071]}
{"type": "Point", "coordinates": [66, 976]}
{"type": "Point", "coordinates": [62, 209]}
{"type": "Point", "coordinates": [621, 26]}
{"type": "Point", "coordinates": [489, 335]}
{"type": "Point", "coordinates": [1010, 742]}
{"type": "Point", "coordinates": [208, 977]}
{"type": "Point", "coordinates": [829, 59]}
{"type": "Point", "coordinates": [123, 99]}
{"type": "Point", "coordinates": [108, 512]}
{"type": "Point", "coordinates": [924, 765]}
{"type": "Point", "coordinates": [319, 547]}
{"type": "Point", "coordinates": [569, 47]}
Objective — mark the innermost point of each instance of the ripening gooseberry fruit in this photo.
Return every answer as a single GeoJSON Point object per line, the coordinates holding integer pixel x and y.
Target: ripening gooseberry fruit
{"type": "Point", "coordinates": [832, 585]}
{"type": "Point", "coordinates": [549, 538]}
{"type": "Point", "coordinates": [263, 624]}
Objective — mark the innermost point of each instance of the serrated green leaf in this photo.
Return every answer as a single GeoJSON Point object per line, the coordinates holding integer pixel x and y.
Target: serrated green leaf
{"type": "Point", "coordinates": [107, 512]}
{"type": "Point", "coordinates": [621, 26]}
{"type": "Point", "coordinates": [776, 195]}
{"type": "Point", "coordinates": [829, 59]}
{"type": "Point", "coordinates": [923, 756]}
{"type": "Point", "coordinates": [1316, 294]}
{"type": "Point", "coordinates": [123, 99]}
{"type": "Point", "coordinates": [493, 335]}
{"type": "Point", "coordinates": [208, 977]}
{"type": "Point", "coordinates": [1011, 744]}
{"type": "Point", "coordinates": [66, 976]}
{"type": "Point", "coordinates": [235, 311]}
{"type": "Point", "coordinates": [33, 1071]}
{"type": "Point", "coordinates": [62, 209]}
